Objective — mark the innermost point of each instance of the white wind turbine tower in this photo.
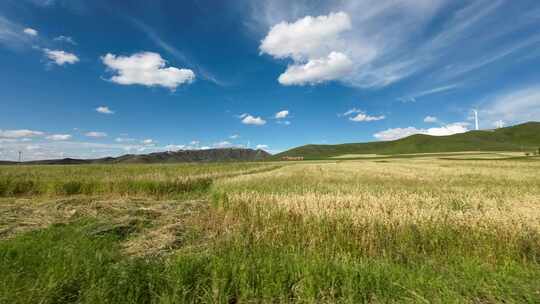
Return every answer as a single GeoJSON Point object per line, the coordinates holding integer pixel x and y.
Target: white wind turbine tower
{"type": "Point", "coordinates": [476, 119]}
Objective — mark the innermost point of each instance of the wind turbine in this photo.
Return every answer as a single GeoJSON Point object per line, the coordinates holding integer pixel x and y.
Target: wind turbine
{"type": "Point", "coordinates": [475, 119]}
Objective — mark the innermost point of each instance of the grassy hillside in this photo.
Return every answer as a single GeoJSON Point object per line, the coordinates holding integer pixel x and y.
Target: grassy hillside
{"type": "Point", "coordinates": [524, 137]}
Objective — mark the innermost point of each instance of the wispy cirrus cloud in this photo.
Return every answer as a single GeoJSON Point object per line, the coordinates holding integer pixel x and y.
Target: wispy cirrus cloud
{"type": "Point", "coordinates": [21, 133]}
{"type": "Point", "coordinates": [14, 35]}
{"type": "Point", "coordinates": [95, 134]}
{"type": "Point", "coordinates": [203, 72]}
{"type": "Point", "coordinates": [59, 137]}
{"type": "Point", "coordinates": [66, 39]}
{"type": "Point", "coordinates": [511, 106]}
{"type": "Point", "coordinates": [413, 97]}
{"type": "Point", "coordinates": [388, 41]}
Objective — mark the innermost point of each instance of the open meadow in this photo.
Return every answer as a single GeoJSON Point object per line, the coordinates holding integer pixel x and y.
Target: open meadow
{"type": "Point", "coordinates": [403, 230]}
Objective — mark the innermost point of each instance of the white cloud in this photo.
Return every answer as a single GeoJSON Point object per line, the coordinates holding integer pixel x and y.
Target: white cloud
{"type": "Point", "coordinates": [59, 137]}
{"type": "Point", "coordinates": [104, 110]}
{"type": "Point", "coordinates": [351, 111]}
{"type": "Point", "coordinates": [19, 133]}
{"type": "Point", "coordinates": [222, 144]}
{"type": "Point", "coordinates": [397, 133]}
{"type": "Point", "coordinates": [262, 147]}
{"type": "Point", "coordinates": [388, 41]}
{"type": "Point", "coordinates": [66, 39]}
{"type": "Point", "coordinates": [311, 43]}
{"type": "Point", "coordinates": [364, 117]}
{"type": "Point", "coordinates": [281, 114]}
{"type": "Point", "coordinates": [305, 38]}
{"type": "Point", "coordinates": [30, 31]}
{"type": "Point", "coordinates": [520, 105]}
{"type": "Point", "coordinates": [124, 139]}
{"type": "Point", "coordinates": [431, 119]}
{"type": "Point", "coordinates": [12, 35]}
{"type": "Point", "coordinates": [61, 57]}
{"type": "Point", "coordinates": [234, 136]}
{"type": "Point", "coordinates": [32, 147]}
{"type": "Point", "coordinates": [174, 147]}
{"type": "Point", "coordinates": [361, 116]}
{"type": "Point", "coordinates": [248, 119]}
{"type": "Point", "coordinates": [147, 141]}
{"type": "Point", "coordinates": [413, 97]}
{"type": "Point", "coordinates": [316, 71]}
{"type": "Point", "coordinates": [194, 142]}
{"type": "Point", "coordinates": [96, 134]}
{"type": "Point", "coordinates": [147, 69]}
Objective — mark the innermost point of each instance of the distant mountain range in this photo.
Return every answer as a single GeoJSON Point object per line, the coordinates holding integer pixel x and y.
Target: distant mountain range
{"type": "Point", "coordinates": [524, 137]}
{"type": "Point", "coordinates": [209, 155]}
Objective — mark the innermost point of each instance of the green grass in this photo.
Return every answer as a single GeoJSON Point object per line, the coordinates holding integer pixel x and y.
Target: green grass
{"type": "Point", "coordinates": [119, 180]}
{"type": "Point", "coordinates": [524, 137]}
{"type": "Point", "coordinates": [74, 264]}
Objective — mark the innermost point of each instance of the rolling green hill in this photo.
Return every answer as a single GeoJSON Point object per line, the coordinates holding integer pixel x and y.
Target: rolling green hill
{"type": "Point", "coordinates": [523, 137]}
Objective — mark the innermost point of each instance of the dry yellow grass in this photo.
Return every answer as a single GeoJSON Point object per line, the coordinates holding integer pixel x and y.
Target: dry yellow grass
{"type": "Point", "coordinates": [473, 193]}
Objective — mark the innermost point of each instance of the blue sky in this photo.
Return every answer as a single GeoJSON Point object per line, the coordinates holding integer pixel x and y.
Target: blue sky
{"type": "Point", "coordinates": [99, 78]}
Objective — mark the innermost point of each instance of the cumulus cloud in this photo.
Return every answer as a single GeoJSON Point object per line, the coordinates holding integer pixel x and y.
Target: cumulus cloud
{"type": "Point", "coordinates": [305, 38]}
{"type": "Point", "coordinates": [59, 57]}
{"type": "Point", "coordinates": [397, 133]}
{"type": "Point", "coordinates": [316, 71]}
{"type": "Point", "coordinates": [311, 43]}
{"type": "Point", "coordinates": [59, 137]}
{"type": "Point", "coordinates": [234, 136]}
{"type": "Point", "coordinates": [147, 141]}
{"type": "Point", "coordinates": [514, 106]}
{"type": "Point", "coordinates": [104, 110]}
{"type": "Point", "coordinates": [95, 134]}
{"type": "Point", "coordinates": [248, 119]}
{"type": "Point", "coordinates": [281, 114]}
{"type": "Point", "coordinates": [262, 147]}
{"type": "Point", "coordinates": [388, 41]}
{"type": "Point", "coordinates": [364, 117]}
{"type": "Point", "coordinates": [30, 32]}
{"type": "Point", "coordinates": [358, 115]}
{"type": "Point", "coordinates": [19, 133]}
{"type": "Point", "coordinates": [431, 119]}
{"type": "Point", "coordinates": [147, 69]}
{"type": "Point", "coordinates": [124, 139]}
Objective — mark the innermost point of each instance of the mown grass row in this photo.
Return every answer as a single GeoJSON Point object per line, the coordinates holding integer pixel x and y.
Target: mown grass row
{"type": "Point", "coordinates": [28, 187]}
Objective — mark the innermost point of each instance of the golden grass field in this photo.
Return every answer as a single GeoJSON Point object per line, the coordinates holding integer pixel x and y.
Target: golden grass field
{"type": "Point", "coordinates": [411, 230]}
